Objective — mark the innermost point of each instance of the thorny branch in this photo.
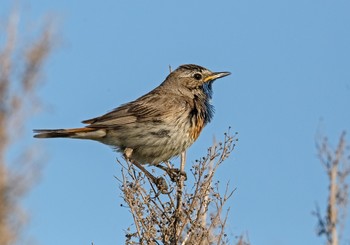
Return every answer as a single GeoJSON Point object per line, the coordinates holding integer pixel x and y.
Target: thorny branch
{"type": "Point", "coordinates": [193, 213]}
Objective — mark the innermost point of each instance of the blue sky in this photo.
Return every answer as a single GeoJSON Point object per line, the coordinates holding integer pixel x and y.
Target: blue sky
{"type": "Point", "coordinates": [290, 79]}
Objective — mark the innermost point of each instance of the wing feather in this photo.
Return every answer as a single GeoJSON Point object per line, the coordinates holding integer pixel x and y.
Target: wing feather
{"type": "Point", "coordinates": [147, 108]}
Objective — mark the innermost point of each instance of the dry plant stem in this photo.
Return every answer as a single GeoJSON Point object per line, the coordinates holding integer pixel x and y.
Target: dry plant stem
{"type": "Point", "coordinates": [20, 70]}
{"type": "Point", "coordinates": [186, 216]}
{"type": "Point", "coordinates": [179, 193]}
{"type": "Point", "coordinates": [138, 222]}
{"type": "Point", "coordinates": [211, 164]}
{"type": "Point", "coordinates": [332, 207]}
{"type": "Point", "coordinates": [219, 207]}
{"type": "Point", "coordinates": [203, 188]}
{"type": "Point", "coordinates": [6, 233]}
{"type": "Point", "coordinates": [223, 224]}
{"type": "Point", "coordinates": [337, 166]}
{"type": "Point", "coordinates": [141, 222]}
{"type": "Point", "coordinates": [132, 208]}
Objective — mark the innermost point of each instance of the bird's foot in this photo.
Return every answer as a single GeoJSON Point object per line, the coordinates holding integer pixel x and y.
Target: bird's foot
{"type": "Point", "coordinates": [174, 173]}
{"type": "Point", "coordinates": [161, 184]}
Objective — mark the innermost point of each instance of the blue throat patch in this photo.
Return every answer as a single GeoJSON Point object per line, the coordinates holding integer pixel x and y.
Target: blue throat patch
{"type": "Point", "coordinates": [209, 108]}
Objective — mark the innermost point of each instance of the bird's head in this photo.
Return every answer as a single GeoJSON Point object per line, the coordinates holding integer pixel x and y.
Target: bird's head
{"type": "Point", "coordinates": [194, 76]}
{"type": "Point", "coordinates": [196, 82]}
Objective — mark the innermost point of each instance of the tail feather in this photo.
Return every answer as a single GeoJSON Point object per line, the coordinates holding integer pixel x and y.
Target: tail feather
{"type": "Point", "coordinates": [79, 133]}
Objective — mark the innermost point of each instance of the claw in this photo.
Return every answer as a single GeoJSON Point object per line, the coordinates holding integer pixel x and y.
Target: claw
{"type": "Point", "coordinates": [175, 174]}
{"type": "Point", "coordinates": [161, 184]}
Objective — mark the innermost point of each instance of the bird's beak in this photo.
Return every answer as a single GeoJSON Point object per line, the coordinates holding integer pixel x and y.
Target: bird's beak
{"type": "Point", "coordinates": [216, 75]}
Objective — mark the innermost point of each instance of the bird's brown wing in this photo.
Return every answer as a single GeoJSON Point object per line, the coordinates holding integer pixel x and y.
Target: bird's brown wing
{"type": "Point", "coordinates": [155, 108]}
{"type": "Point", "coordinates": [118, 116]}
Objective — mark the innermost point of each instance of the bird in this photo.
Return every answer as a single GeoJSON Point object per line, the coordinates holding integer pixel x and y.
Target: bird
{"type": "Point", "coordinates": [157, 126]}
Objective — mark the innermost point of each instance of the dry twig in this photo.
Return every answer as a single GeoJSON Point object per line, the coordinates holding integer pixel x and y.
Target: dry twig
{"type": "Point", "coordinates": [193, 215]}
{"type": "Point", "coordinates": [337, 166]}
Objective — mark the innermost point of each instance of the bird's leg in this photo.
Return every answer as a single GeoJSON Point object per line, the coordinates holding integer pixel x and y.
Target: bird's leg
{"type": "Point", "coordinates": [174, 173]}
{"type": "Point", "coordinates": [159, 182]}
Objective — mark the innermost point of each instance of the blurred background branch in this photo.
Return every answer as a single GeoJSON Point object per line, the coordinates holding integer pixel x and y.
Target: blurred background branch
{"type": "Point", "coordinates": [337, 166]}
{"type": "Point", "coordinates": [21, 65]}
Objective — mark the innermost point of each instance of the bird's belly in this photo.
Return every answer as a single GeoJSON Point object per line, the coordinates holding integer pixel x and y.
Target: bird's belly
{"type": "Point", "coordinates": [156, 148]}
{"type": "Point", "coordinates": [157, 153]}
{"type": "Point", "coordinates": [152, 143]}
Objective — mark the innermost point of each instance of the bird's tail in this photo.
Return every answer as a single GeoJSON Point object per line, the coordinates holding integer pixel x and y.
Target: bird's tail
{"type": "Point", "coordinates": [78, 133]}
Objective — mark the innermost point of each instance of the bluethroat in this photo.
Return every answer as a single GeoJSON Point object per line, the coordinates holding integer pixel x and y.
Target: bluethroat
{"type": "Point", "coordinates": [157, 126]}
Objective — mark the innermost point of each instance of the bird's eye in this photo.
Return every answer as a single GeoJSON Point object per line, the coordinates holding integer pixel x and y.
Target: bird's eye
{"type": "Point", "coordinates": [197, 76]}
